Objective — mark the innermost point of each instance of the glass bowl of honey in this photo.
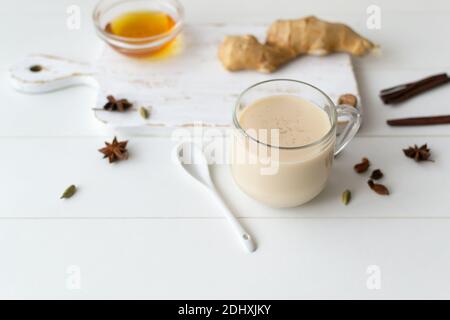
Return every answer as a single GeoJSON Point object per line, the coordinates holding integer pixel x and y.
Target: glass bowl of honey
{"type": "Point", "coordinates": [138, 28]}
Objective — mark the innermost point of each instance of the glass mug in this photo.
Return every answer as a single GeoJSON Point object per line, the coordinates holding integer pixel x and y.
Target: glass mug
{"type": "Point", "coordinates": [288, 176]}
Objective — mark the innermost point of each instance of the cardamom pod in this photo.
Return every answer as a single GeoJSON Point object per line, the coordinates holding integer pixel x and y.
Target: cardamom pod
{"type": "Point", "coordinates": [144, 112]}
{"type": "Point", "coordinates": [69, 192]}
{"type": "Point", "coordinates": [346, 197]}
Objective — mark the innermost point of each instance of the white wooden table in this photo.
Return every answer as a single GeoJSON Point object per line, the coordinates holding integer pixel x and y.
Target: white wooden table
{"type": "Point", "coordinates": [128, 236]}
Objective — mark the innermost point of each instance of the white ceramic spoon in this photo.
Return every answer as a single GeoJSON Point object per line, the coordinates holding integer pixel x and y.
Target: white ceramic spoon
{"type": "Point", "coordinates": [193, 161]}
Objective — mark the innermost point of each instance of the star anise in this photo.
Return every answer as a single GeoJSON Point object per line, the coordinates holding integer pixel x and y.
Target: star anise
{"type": "Point", "coordinates": [419, 154]}
{"type": "Point", "coordinates": [115, 151]}
{"type": "Point", "coordinates": [117, 105]}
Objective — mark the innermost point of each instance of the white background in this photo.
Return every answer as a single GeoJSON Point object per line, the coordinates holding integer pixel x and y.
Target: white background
{"type": "Point", "coordinates": [140, 230]}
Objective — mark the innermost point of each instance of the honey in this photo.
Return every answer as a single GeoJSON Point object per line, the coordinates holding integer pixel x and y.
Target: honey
{"type": "Point", "coordinates": [142, 25]}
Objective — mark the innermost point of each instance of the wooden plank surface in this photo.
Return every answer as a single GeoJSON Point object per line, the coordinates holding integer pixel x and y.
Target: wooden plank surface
{"type": "Point", "coordinates": [200, 259]}
{"type": "Point", "coordinates": [50, 141]}
{"type": "Point", "coordinates": [150, 184]}
{"type": "Point", "coordinates": [401, 59]}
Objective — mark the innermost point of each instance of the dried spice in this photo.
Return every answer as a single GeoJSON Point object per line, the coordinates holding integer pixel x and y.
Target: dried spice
{"type": "Point", "coordinates": [419, 121]}
{"type": "Point", "coordinates": [363, 166]}
{"type": "Point", "coordinates": [376, 174]}
{"type": "Point", "coordinates": [348, 99]}
{"type": "Point", "coordinates": [115, 151]}
{"type": "Point", "coordinates": [346, 197]}
{"type": "Point", "coordinates": [117, 105]}
{"type": "Point", "coordinates": [419, 154]}
{"type": "Point", "coordinates": [378, 188]}
{"type": "Point", "coordinates": [69, 192]}
{"type": "Point", "coordinates": [406, 91]}
{"type": "Point", "coordinates": [144, 113]}
{"type": "Point", "coordinates": [288, 39]}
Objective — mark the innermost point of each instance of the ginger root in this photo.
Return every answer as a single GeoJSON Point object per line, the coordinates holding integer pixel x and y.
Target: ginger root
{"type": "Point", "coordinates": [246, 52]}
{"type": "Point", "coordinates": [287, 39]}
{"type": "Point", "coordinates": [311, 35]}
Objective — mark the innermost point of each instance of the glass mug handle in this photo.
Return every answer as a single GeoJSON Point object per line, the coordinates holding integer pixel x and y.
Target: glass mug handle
{"type": "Point", "coordinates": [353, 117]}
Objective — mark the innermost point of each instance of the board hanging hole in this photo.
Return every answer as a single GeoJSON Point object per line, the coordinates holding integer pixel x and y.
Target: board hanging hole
{"type": "Point", "coordinates": [36, 68]}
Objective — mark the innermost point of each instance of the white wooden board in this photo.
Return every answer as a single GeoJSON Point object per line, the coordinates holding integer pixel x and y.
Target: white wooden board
{"type": "Point", "coordinates": [192, 86]}
{"type": "Point", "coordinates": [187, 87]}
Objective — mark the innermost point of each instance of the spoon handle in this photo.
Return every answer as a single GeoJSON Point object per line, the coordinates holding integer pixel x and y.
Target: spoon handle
{"type": "Point", "coordinates": [244, 236]}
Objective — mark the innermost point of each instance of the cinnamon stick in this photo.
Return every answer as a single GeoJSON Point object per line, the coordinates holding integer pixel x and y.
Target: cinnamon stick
{"type": "Point", "coordinates": [406, 91]}
{"type": "Point", "coordinates": [420, 121]}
